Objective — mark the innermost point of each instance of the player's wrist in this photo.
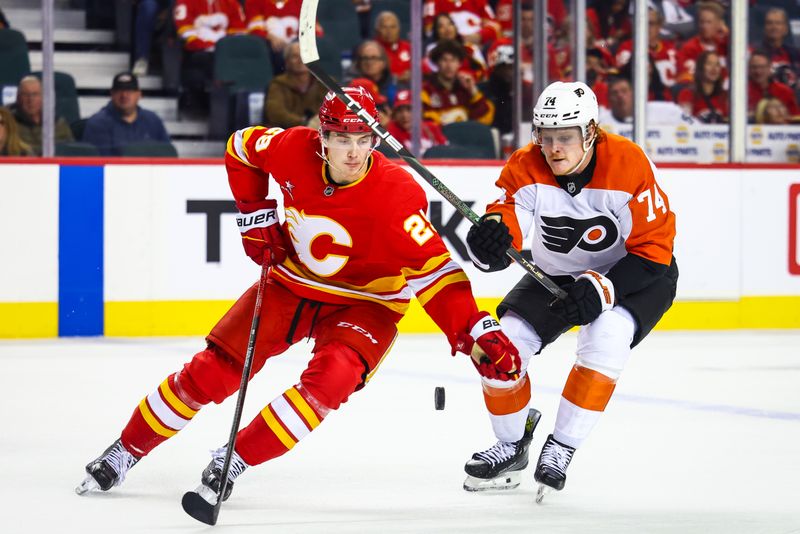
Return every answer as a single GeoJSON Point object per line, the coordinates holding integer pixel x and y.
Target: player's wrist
{"type": "Point", "coordinates": [604, 288]}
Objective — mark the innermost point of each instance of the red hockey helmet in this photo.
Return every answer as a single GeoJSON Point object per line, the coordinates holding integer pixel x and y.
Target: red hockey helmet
{"type": "Point", "coordinates": [335, 116]}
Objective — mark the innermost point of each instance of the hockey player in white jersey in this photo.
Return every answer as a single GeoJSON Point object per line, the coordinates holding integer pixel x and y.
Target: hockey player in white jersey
{"type": "Point", "coordinates": [588, 204]}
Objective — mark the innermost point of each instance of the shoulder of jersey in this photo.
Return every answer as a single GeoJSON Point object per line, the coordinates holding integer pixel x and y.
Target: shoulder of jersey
{"type": "Point", "coordinates": [397, 179]}
{"type": "Point", "coordinates": [621, 165]}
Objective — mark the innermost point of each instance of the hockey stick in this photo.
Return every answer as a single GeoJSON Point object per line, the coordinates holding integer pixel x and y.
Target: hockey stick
{"type": "Point", "coordinates": [310, 56]}
{"type": "Point", "coordinates": [193, 503]}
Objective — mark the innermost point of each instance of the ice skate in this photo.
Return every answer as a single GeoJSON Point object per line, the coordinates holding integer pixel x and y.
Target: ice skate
{"type": "Point", "coordinates": [212, 475]}
{"type": "Point", "coordinates": [551, 470]}
{"type": "Point", "coordinates": [500, 467]}
{"type": "Point", "coordinates": [108, 469]}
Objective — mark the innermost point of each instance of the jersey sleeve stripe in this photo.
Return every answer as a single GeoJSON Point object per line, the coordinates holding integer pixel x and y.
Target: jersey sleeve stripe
{"type": "Point", "coordinates": [454, 278]}
{"type": "Point", "coordinates": [420, 284]}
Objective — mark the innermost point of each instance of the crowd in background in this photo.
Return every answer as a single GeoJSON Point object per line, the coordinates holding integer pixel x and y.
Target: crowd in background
{"type": "Point", "coordinates": [467, 67]}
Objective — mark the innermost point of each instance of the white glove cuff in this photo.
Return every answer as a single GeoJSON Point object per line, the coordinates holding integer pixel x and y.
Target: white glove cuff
{"type": "Point", "coordinates": [486, 324]}
{"type": "Point", "coordinates": [262, 218]}
{"type": "Point", "coordinates": [604, 287]}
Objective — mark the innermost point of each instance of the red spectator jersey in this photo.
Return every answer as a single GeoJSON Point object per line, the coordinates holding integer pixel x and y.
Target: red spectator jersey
{"type": "Point", "coordinates": [556, 15]}
{"type": "Point", "coordinates": [665, 57]}
{"type": "Point", "coordinates": [399, 56]}
{"type": "Point", "coordinates": [474, 62]}
{"type": "Point", "coordinates": [347, 246]}
{"type": "Point", "coordinates": [777, 90]}
{"type": "Point", "coordinates": [201, 23]}
{"type": "Point", "coordinates": [443, 106]}
{"type": "Point", "coordinates": [431, 135]}
{"type": "Point", "coordinates": [273, 17]}
{"type": "Point", "coordinates": [691, 50]}
{"type": "Point", "coordinates": [710, 110]}
{"type": "Point", "coordinates": [469, 16]}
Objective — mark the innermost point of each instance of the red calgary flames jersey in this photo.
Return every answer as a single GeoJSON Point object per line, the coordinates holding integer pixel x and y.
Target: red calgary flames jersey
{"type": "Point", "coordinates": [622, 209]}
{"type": "Point", "coordinates": [366, 241]}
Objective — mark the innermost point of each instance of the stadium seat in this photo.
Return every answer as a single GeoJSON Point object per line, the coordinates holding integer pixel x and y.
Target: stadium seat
{"type": "Point", "coordinates": [339, 23]}
{"type": "Point", "coordinates": [330, 57]}
{"type": "Point", "coordinates": [66, 96]}
{"type": "Point", "coordinates": [14, 61]}
{"type": "Point", "coordinates": [76, 150]}
{"type": "Point", "coordinates": [242, 63]}
{"type": "Point", "coordinates": [449, 152]}
{"type": "Point", "coordinates": [473, 135]}
{"type": "Point", "coordinates": [149, 150]}
{"type": "Point", "coordinates": [401, 8]}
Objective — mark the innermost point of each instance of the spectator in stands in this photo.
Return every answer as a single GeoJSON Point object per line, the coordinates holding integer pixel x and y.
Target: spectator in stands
{"type": "Point", "coordinates": [662, 51]}
{"type": "Point", "coordinates": [784, 58]}
{"type": "Point", "coordinates": [278, 23]}
{"type": "Point", "coordinates": [444, 29]}
{"type": "Point", "coordinates": [122, 121]}
{"type": "Point", "coordinates": [620, 111]}
{"type": "Point", "coordinates": [294, 97]}
{"type": "Point", "coordinates": [557, 17]}
{"type": "Point", "coordinates": [387, 33]}
{"type": "Point", "coordinates": [706, 99]}
{"type": "Point", "coordinates": [760, 84]}
{"type": "Point", "coordinates": [474, 19]}
{"type": "Point", "coordinates": [451, 95]}
{"type": "Point", "coordinates": [146, 13]}
{"type": "Point", "coordinates": [363, 10]}
{"type": "Point", "coordinates": [610, 21]}
{"type": "Point", "coordinates": [28, 114]}
{"type": "Point", "coordinates": [370, 61]}
{"type": "Point", "coordinates": [499, 87]}
{"type": "Point", "coordinates": [712, 34]}
{"type": "Point", "coordinates": [200, 24]}
{"type": "Point", "coordinates": [771, 111]}
{"type": "Point", "coordinates": [381, 102]}
{"type": "Point", "coordinates": [400, 125]}
{"type": "Point", "coordinates": [10, 142]}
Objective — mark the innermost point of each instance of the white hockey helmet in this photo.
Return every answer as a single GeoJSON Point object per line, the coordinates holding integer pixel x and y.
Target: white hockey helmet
{"type": "Point", "coordinates": [563, 105]}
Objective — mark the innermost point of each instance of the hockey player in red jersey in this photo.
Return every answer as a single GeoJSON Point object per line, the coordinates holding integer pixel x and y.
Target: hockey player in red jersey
{"type": "Point", "coordinates": [588, 204]}
{"type": "Point", "coordinates": [355, 247]}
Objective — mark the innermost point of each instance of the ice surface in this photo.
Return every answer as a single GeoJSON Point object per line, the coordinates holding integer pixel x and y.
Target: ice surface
{"type": "Point", "coordinates": [702, 435]}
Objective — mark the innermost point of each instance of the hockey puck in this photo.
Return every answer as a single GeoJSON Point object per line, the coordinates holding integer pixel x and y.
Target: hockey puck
{"type": "Point", "coordinates": [438, 398]}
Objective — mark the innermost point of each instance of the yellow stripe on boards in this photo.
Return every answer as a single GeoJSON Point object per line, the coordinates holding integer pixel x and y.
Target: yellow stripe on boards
{"type": "Point", "coordinates": [301, 404]}
{"type": "Point", "coordinates": [151, 420]}
{"type": "Point", "coordinates": [28, 319]}
{"type": "Point", "coordinates": [163, 318]}
{"type": "Point", "coordinates": [175, 402]}
{"type": "Point", "coordinates": [277, 429]}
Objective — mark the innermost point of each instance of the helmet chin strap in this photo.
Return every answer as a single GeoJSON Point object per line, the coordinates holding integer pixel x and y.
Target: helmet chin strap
{"type": "Point", "coordinates": [586, 149]}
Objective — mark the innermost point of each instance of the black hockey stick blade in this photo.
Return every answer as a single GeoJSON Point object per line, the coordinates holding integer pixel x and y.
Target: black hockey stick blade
{"type": "Point", "coordinates": [310, 56]}
{"type": "Point", "coordinates": [199, 508]}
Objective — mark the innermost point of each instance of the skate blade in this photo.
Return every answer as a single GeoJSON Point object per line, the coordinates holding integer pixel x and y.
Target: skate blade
{"type": "Point", "coordinates": [506, 482]}
{"type": "Point", "coordinates": [541, 492]}
{"type": "Point", "coordinates": [88, 484]}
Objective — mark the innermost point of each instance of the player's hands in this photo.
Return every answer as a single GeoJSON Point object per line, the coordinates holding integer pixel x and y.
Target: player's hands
{"type": "Point", "coordinates": [262, 236]}
{"type": "Point", "coordinates": [488, 242]}
{"type": "Point", "coordinates": [493, 355]}
{"type": "Point", "coordinates": [587, 297]}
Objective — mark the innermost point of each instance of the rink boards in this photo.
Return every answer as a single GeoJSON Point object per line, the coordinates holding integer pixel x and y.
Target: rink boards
{"type": "Point", "coordinates": [130, 248]}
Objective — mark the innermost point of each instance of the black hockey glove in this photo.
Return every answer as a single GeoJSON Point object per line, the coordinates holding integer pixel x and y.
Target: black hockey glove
{"type": "Point", "coordinates": [488, 242]}
{"type": "Point", "coordinates": [587, 297]}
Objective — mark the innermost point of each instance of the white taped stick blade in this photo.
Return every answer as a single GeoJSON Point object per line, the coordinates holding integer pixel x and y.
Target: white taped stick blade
{"type": "Point", "coordinates": [308, 31]}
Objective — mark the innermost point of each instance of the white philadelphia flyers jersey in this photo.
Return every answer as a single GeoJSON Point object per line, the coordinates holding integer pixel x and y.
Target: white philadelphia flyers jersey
{"type": "Point", "coordinates": [621, 210]}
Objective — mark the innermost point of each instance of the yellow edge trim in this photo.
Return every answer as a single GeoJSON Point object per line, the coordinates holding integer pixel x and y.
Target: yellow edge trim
{"type": "Point", "coordinates": [196, 318]}
{"type": "Point", "coordinates": [157, 427]}
{"type": "Point", "coordinates": [277, 429]}
{"type": "Point", "coordinates": [431, 292]}
{"type": "Point", "coordinates": [229, 148]}
{"type": "Point", "coordinates": [301, 404]}
{"type": "Point", "coordinates": [28, 319]}
{"type": "Point", "coordinates": [175, 402]}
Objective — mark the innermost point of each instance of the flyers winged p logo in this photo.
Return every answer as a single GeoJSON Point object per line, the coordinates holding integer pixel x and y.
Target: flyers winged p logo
{"type": "Point", "coordinates": [562, 234]}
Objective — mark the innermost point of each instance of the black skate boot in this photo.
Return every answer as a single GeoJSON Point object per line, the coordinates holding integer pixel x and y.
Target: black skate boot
{"type": "Point", "coordinates": [108, 469]}
{"type": "Point", "coordinates": [212, 475]}
{"type": "Point", "coordinates": [500, 466]}
{"type": "Point", "coordinates": [551, 470]}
